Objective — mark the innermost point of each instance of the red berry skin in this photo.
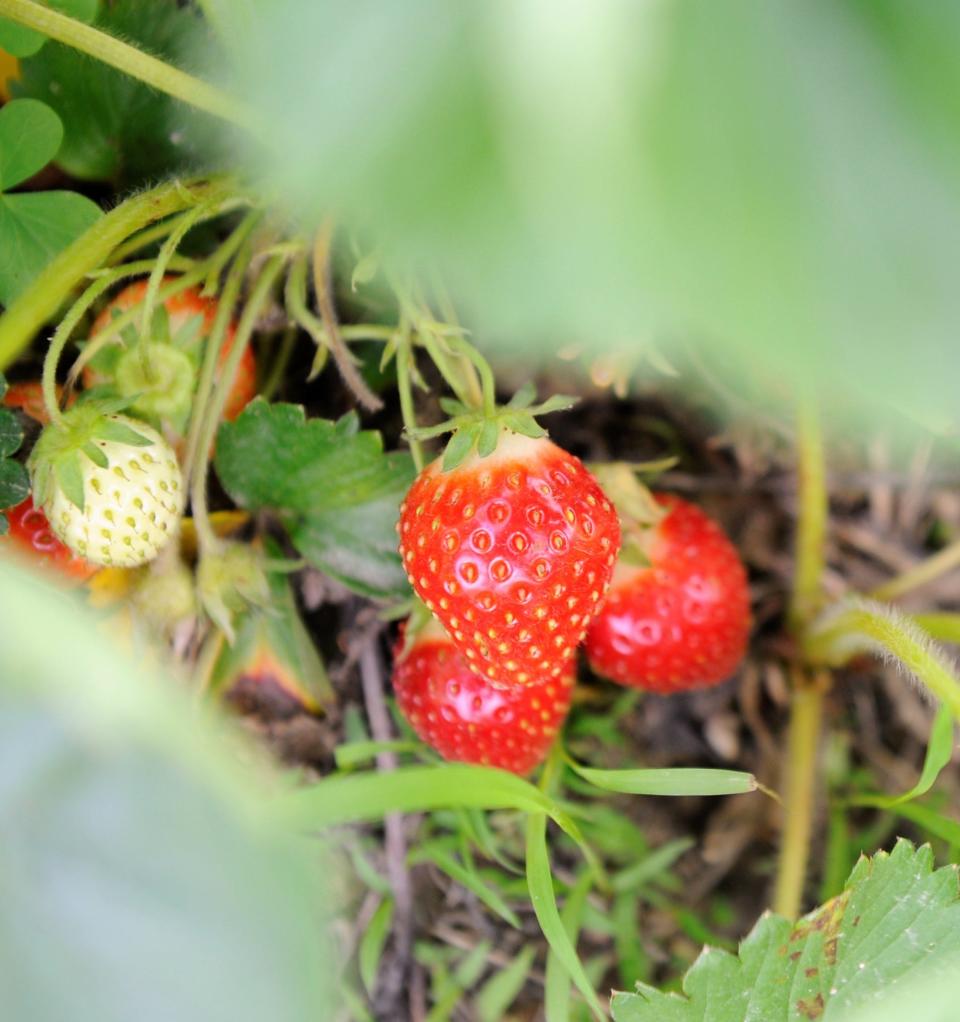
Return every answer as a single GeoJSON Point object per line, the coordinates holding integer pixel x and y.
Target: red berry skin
{"type": "Point", "coordinates": [468, 719]}
{"type": "Point", "coordinates": [513, 554]}
{"type": "Point", "coordinates": [180, 309]}
{"type": "Point", "coordinates": [30, 536]}
{"type": "Point", "coordinates": [682, 622]}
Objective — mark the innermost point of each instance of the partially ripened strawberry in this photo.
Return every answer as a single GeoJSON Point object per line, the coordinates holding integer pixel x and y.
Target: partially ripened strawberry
{"type": "Point", "coordinates": [682, 620]}
{"type": "Point", "coordinates": [513, 553]}
{"type": "Point", "coordinates": [469, 719]}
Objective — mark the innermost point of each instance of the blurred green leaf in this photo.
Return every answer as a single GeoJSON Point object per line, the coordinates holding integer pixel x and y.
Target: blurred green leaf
{"type": "Point", "coordinates": [30, 135]}
{"type": "Point", "coordinates": [501, 990]}
{"type": "Point", "coordinates": [672, 781]}
{"type": "Point", "coordinates": [543, 898]}
{"type": "Point", "coordinates": [24, 42]}
{"type": "Point", "coordinates": [115, 127]}
{"type": "Point", "coordinates": [135, 848]}
{"type": "Point", "coordinates": [896, 922]}
{"type": "Point", "coordinates": [779, 182]}
{"type": "Point", "coordinates": [373, 941]}
{"type": "Point", "coordinates": [557, 990]}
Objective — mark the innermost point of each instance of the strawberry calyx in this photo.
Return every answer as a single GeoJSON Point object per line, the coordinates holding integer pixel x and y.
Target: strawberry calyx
{"type": "Point", "coordinates": [639, 510]}
{"type": "Point", "coordinates": [57, 458]}
{"type": "Point", "coordinates": [230, 580]}
{"type": "Point", "coordinates": [476, 430]}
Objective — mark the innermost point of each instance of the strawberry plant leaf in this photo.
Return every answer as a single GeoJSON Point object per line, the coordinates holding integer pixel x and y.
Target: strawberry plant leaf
{"type": "Point", "coordinates": [30, 135]}
{"type": "Point", "coordinates": [14, 484]}
{"type": "Point", "coordinates": [24, 42]}
{"type": "Point", "coordinates": [115, 127]}
{"type": "Point", "coordinates": [272, 456]}
{"type": "Point", "coordinates": [337, 491]}
{"type": "Point", "coordinates": [11, 433]}
{"type": "Point", "coordinates": [357, 547]}
{"type": "Point", "coordinates": [897, 920]}
{"type": "Point", "coordinates": [34, 227]}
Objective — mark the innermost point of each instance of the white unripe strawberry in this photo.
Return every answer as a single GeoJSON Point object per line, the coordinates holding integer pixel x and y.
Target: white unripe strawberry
{"type": "Point", "coordinates": [110, 486]}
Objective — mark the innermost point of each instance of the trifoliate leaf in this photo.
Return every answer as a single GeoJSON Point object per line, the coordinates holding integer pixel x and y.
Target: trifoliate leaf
{"type": "Point", "coordinates": [30, 135]}
{"type": "Point", "coordinates": [338, 493]}
{"type": "Point", "coordinates": [24, 42]}
{"type": "Point", "coordinates": [115, 127]}
{"type": "Point", "coordinates": [14, 484]}
{"type": "Point", "coordinates": [11, 433]}
{"type": "Point", "coordinates": [897, 921]}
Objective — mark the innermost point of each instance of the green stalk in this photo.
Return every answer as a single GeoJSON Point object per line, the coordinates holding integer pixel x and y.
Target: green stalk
{"type": "Point", "coordinates": [218, 399]}
{"type": "Point", "coordinates": [803, 740]}
{"type": "Point", "coordinates": [128, 59]}
{"type": "Point", "coordinates": [218, 331]}
{"type": "Point", "coordinates": [860, 625]}
{"type": "Point", "coordinates": [405, 390]}
{"type": "Point", "coordinates": [806, 701]}
{"type": "Point", "coordinates": [811, 519]}
{"type": "Point", "coordinates": [40, 301]}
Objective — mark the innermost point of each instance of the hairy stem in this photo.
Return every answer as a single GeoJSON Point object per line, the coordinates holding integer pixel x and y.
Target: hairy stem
{"type": "Point", "coordinates": [44, 296]}
{"type": "Point", "coordinates": [126, 58]}
{"type": "Point", "coordinates": [865, 626]}
{"type": "Point", "coordinates": [800, 793]}
{"type": "Point", "coordinates": [259, 296]}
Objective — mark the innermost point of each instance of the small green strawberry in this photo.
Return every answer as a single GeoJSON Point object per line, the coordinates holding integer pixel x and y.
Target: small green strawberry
{"type": "Point", "coordinates": [109, 485]}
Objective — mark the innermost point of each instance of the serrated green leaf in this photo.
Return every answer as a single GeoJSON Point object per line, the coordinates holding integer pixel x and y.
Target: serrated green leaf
{"type": "Point", "coordinates": [96, 455]}
{"type": "Point", "coordinates": [272, 456]}
{"type": "Point", "coordinates": [14, 484]}
{"type": "Point", "coordinates": [35, 227]}
{"type": "Point", "coordinates": [356, 546]}
{"type": "Point", "coordinates": [115, 127]}
{"type": "Point", "coordinates": [69, 476]}
{"type": "Point", "coordinates": [121, 433]}
{"type": "Point", "coordinates": [3, 386]}
{"type": "Point", "coordinates": [673, 781]}
{"type": "Point", "coordinates": [487, 440]}
{"type": "Point", "coordinates": [897, 920]}
{"type": "Point", "coordinates": [30, 135]}
{"type": "Point", "coordinates": [460, 446]}
{"type": "Point", "coordinates": [11, 433]}
{"type": "Point", "coordinates": [24, 42]}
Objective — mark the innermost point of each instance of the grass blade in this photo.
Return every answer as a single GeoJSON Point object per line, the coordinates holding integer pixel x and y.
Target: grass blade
{"type": "Point", "coordinates": [675, 781]}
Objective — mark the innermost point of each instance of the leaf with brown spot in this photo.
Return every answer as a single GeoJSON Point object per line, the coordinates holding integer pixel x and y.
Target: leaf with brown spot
{"type": "Point", "coordinates": [896, 923]}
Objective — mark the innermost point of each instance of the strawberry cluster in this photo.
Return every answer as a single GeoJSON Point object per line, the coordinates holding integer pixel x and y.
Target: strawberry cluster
{"type": "Point", "coordinates": [516, 556]}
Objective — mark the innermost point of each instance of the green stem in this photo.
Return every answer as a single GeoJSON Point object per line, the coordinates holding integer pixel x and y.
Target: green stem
{"type": "Point", "coordinates": [806, 700]}
{"type": "Point", "coordinates": [860, 625]}
{"type": "Point", "coordinates": [927, 571]}
{"type": "Point", "coordinates": [273, 379]}
{"type": "Point", "coordinates": [218, 331]}
{"type": "Point", "coordinates": [68, 324]}
{"type": "Point", "coordinates": [44, 296]}
{"type": "Point", "coordinates": [800, 791]}
{"type": "Point", "coordinates": [245, 328]}
{"type": "Point", "coordinates": [128, 59]}
{"type": "Point", "coordinates": [488, 387]}
{"type": "Point", "coordinates": [812, 517]}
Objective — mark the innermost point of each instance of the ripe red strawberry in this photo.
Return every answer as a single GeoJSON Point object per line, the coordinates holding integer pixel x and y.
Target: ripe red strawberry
{"type": "Point", "coordinates": [513, 553]}
{"type": "Point", "coordinates": [467, 718]}
{"type": "Point", "coordinates": [30, 534]}
{"type": "Point", "coordinates": [682, 622]}
{"type": "Point", "coordinates": [181, 309]}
